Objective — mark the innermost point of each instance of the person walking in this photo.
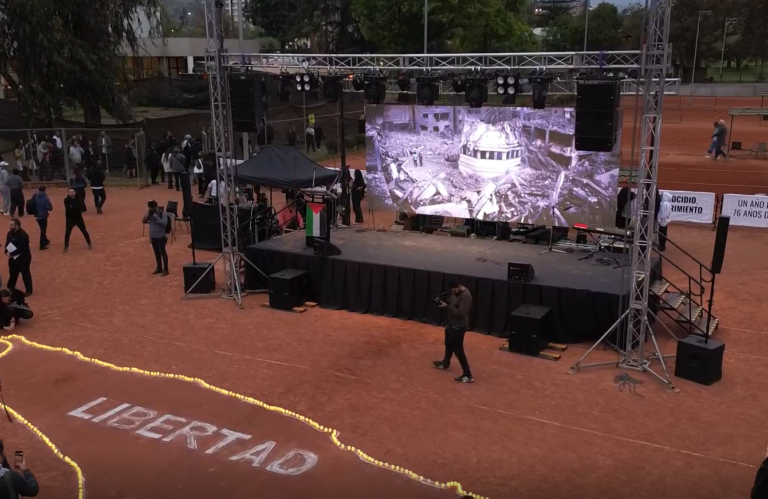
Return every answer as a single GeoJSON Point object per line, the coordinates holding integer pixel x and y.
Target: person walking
{"type": "Point", "coordinates": [19, 257]}
{"type": "Point", "coordinates": [5, 191]}
{"type": "Point", "coordinates": [96, 178]}
{"type": "Point", "coordinates": [358, 193]}
{"type": "Point", "coordinates": [712, 142]}
{"type": "Point", "coordinates": [457, 314]}
{"type": "Point", "coordinates": [43, 207]}
{"type": "Point", "coordinates": [166, 161]}
{"type": "Point", "coordinates": [73, 212]}
{"type": "Point", "coordinates": [158, 229]}
{"type": "Point", "coordinates": [720, 135]}
{"type": "Point", "coordinates": [16, 185]}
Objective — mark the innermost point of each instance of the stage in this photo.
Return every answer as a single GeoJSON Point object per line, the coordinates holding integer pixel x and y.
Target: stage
{"type": "Point", "coordinates": [397, 273]}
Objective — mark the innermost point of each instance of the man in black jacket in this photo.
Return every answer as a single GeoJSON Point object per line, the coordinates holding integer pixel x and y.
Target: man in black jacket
{"type": "Point", "coordinates": [19, 257]}
{"type": "Point", "coordinates": [760, 490]}
{"type": "Point", "coordinates": [457, 314]}
{"type": "Point", "coordinates": [73, 211]}
{"type": "Point", "coordinates": [96, 178]}
{"type": "Point", "coordinates": [13, 483]}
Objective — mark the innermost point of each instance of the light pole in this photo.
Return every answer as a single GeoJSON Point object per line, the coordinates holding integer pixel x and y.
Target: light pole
{"type": "Point", "coordinates": [426, 10]}
{"type": "Point", "coordinates": [702, 13]}
{"type": "Point", "coordinates": [586, 23]}
{"type": "Point", "coordinates": [728, 20]}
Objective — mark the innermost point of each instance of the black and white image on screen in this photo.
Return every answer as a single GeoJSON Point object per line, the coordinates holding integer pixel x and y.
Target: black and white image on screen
{"type": "Point", "coordinates": [493, 163]}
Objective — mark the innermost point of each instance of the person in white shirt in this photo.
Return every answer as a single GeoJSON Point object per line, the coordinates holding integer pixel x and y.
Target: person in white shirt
{"type": "Point", "coordinates": [309, 138]}
{"type": "Point", "coordinates": [664, 217]}
{"type": "Point", "coordinates": [215, 191]}
{"type": "Point", "coordinates": [57, 139]}
{"type": "Point", "coordinates": [197, 174]}
{"type": "Point", "coordinates": [105, 144]}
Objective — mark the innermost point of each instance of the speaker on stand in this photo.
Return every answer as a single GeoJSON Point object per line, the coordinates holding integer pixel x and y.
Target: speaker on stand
{"type": "Point", "coordinates": [700, 359]}
{"type": "Point", "coordinates": [247, 94]}
{"type": "Point", "coordinates": [199, 278]}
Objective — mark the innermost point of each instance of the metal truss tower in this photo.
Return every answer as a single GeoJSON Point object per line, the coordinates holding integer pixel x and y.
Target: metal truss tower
{"type": "Point", "coordinates": [223, 147]}
{"type": "Point", "coordinates": [635, 321]}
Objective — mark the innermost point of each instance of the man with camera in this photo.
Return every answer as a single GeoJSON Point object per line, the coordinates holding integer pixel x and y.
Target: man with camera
{"type": "Point", "coordinates": [457, 315]}
{"type": "Point", "coordinates": [17, 483]}
{"type": "Point", "coordinates": [159, 227]}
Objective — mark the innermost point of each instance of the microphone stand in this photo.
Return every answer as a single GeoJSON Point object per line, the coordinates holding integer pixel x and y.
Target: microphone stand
{"type": "Point", "coordinates": [550, 249]}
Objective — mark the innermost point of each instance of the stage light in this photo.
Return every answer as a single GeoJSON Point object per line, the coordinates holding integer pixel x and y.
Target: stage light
{"type": "Point", "coordinates": [358, 83]}
{"type": "Point", "coordinates": [404, 81]}
{"type": "Point", "coordinates": [306, 82]}
{"type": "Point", "coordinates": [458, 84]}
{"type": "Point", "coordinates": [633, 74]}
{"type": "Point", "coordinates": [539, 80]}
{"type": "Point", "coordinates": [508, 86]}
{"type": "Point", "coordinates": [375, 88]}
{"type": "Point", "coordinates": [284, 87]}
{"type": "Point", "coordinates": [476, 92]}
{"type": "Point", "coordinates": [333, 89]}
{"type": "Point", "coordinates": [427, 90]}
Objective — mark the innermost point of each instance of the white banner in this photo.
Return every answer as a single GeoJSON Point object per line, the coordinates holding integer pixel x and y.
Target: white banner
{"type": "Point", "coordinates": [750, 211]}
{"type": "Point", "coordinates": [697, 207]}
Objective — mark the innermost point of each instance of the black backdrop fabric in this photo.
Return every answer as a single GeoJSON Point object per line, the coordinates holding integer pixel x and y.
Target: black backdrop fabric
{"type": "Point", "coordinates": [578, 315]}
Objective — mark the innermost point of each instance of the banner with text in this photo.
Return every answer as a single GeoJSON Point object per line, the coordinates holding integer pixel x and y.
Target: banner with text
{"type": "Point", "coordinates": [750, 211]}
{"type": "Point", "coordinates": [697, 207]}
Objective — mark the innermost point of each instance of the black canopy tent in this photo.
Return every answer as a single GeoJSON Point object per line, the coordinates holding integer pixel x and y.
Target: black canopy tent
{"type": "Point", "coordinates": [284, 167]}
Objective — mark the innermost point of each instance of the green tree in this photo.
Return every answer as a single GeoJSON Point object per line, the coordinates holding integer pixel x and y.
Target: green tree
{"type": "Point", "coordinates": [566, 33]}
{"type": "Point", "coordinates": [633, 19]}
{"type": "Point", "coordinates": [63, 56]}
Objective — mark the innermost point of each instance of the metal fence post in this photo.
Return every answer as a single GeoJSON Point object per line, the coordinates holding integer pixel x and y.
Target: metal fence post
{"type": "Point", "coordinates": [65, 152]}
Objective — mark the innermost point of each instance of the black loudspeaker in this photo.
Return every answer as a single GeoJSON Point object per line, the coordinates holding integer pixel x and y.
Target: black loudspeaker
{"type": "Point", "coordinates": [288, 289]}
{"type": "Point", "coordinates": [246, 97]}
{"type": "Point", "coordinates": [698, 361]}
{"type": "Point", "coordinates": [720, 239]}
{"type": "Point", "coordinates": [193, 272]}
{"type": "Point", "coordinates": [186, 192]}
{"type": "Point", "coordinates": [529, 329]}
{"type": "Point", "coordinates": [503, 231]}
{"type": "Point", "coordinates": [520, 272]}
{"type": "Point", "coordinates": [597, 119]}
{"type": "Point", "coordinates": [598, 96]}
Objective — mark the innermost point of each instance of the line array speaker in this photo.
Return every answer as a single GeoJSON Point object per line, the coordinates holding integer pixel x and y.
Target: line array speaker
{"type": "Point", "coordinates": [246, 98]}
{"type": "Point", "coordinates": [597, 118]}
{"type": "Point", "coordinates": [720, 239]}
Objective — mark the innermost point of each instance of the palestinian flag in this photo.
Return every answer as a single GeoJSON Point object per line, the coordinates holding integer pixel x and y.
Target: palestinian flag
{"type": "Point", "coordinates": [317, 220]}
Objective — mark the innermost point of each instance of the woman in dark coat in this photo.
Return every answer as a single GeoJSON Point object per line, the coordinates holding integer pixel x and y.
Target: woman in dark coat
{"type": "Point", "coordinates": [358, 193]}
{"type": "Point", "coordinates": [77, 182]}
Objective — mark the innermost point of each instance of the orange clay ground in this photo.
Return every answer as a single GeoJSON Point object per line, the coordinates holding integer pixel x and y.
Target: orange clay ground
{"type": "Point", "coordinates": [524, 430]}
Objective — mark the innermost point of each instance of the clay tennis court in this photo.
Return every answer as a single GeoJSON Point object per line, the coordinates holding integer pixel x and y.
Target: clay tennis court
{"type": "Point", "coordinates": [524, 430]}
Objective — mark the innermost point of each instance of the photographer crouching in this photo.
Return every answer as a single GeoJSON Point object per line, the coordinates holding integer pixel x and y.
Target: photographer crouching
{"type": "Point", "coordinates": [457, 315]}
{"type": "Point", "coordinates": [159, 227]}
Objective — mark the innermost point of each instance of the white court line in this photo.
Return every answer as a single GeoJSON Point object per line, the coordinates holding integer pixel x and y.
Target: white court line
{"type": "Point", "coordinates": [593, 432]}
{"type": "Point", "coordinates": [744, 330]}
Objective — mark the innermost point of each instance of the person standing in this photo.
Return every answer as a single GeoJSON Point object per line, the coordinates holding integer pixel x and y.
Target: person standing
{"type": "Point", "coordinates": [129, 170]}
{"type": "Point", "coordinates": [319, 136]}
{"type": "Point", "coordinates": [457, 314]}
{"type": "Point", "coordinates": [19, 257]}
{"type": "Point", "coordinates": [16, 186]}
{"type": "Point", "coordinates": [158, 228]}
{"type": "Point", "coordinates": [292, 136]}
{"type": "Point", "coordinates": [197, 170]}
{"type": "Point", "coordinates": [177, 166]}
{"type": "Point", "coordinates": [78, 183]}
{"type": "Point", "coordinates": [96, 178]}
{"type": "Point", "coordinates": [18, 154]}
{"type": "Point", "coordinates": [664, 217]}
{"type": "Point", "coordinates": [152, 163]}
{"type": "Point", "coordinates": [76, 154]}
{"type": "Point", "coordinates": [105, 146]}
{"type": "Point", "coordinates": [166, 161]}
{"type": "Point", "coordinates": [358, 193]}
{"type": "Point", "coordinates": [309, 138]}
{"type": "Point", "coordinates": [73, 212]}
{"type": "Point", "coordinates": [43, 207]}
{"type": "Point", "coordinates": [5, 191]}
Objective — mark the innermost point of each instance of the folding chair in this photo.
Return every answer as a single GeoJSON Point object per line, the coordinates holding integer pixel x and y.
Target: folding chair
{"type": "Point", "coordinates": [760, 149]}
{"type": "Point", "coordinates": [173, 232]}
{"type": "Point", "coordinates": [173, 208]}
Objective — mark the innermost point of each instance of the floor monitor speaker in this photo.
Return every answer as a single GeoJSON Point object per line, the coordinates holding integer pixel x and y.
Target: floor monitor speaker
{"type": "Point", "coordinates": [288, 289]}
{"type": "Point", "coordinates": [193, 272]}
{"type": "Point", "coordinates": [529, 330]}
{"type": "Point", "coordinates": [520, 272]}
{"type": "Point", "coordinates": [699, 361]}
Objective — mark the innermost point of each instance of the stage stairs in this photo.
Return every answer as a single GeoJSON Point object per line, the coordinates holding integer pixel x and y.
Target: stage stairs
{"type": "Point", "coordinates": [684, 298]}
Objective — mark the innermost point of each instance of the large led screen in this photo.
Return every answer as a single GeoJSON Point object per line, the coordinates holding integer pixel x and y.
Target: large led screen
{"type": "Point", "coordinates": [498, 164]}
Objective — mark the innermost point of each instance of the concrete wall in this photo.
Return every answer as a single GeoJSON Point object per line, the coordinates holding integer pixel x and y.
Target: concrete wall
{"type": "Point", "coordinates": [725, 89]}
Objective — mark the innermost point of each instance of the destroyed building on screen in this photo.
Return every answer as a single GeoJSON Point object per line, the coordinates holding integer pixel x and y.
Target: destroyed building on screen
{"type": "Point", "coordinates": [492, 163]}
